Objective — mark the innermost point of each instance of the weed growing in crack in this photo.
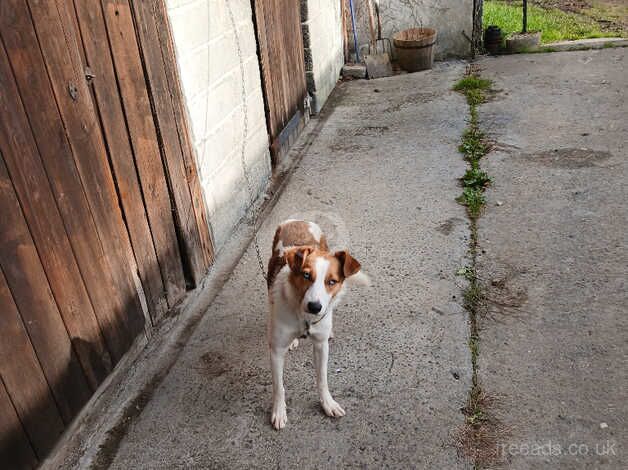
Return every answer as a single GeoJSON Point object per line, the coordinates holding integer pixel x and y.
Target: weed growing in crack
{"type": "Point", "coordinates": [476, 178]}
{"type": "Point", "coordinates": [473, 294]}
{"type": "Point", "coordinates": [474, 145]}
{"type": "Point", "coordinates": [478, 436]}
{"type": "Point", "coordinates": [473, 87]}
{"type": "Point", "coordinates": [474, 346]}
{"type": "Point", "coordinates": [473, 198]}
{"type": "Point", "coordinates": [467, 272]}
{"type": "Point", "coordinates": [475, 97]}
{"type": "Point", "coordinates": [472, 82]}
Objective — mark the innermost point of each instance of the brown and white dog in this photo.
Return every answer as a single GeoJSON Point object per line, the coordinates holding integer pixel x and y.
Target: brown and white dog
{"type": "Point", "coordinates": [305, 282]}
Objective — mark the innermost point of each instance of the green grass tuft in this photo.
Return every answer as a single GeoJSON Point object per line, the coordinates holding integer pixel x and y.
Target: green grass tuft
{"type": "Point", "coordinates": [475, 97]}
{"type": "Point", "coordinates": [473, 145]}
{"type": "Point", "coordinates": [476, 178]}
{"type": "Point", "coordinates": [555, 25]}
{"type": "Point", "coordinates": [473, 298]}
{"type": "Point", "coordinates": [466, 272]}
{"type": "Point", "coordinates": [472, 82]}
{"type": "Point", "coordinates": [474, 199]}
{"type": "Point", "coordinates": [473, 87]}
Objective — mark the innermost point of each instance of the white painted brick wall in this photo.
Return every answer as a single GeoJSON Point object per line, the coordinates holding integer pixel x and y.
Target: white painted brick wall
{"type": "Point", "coordinates": [323, 26]}
{"type": "Point", "coordinates": [210, 76]}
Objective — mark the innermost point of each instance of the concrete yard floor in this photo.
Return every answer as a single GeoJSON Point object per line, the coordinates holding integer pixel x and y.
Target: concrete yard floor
{"type": "Point", "coordinates": [554, 257]}
{"type": "Point", "coordinates": [381, 176]}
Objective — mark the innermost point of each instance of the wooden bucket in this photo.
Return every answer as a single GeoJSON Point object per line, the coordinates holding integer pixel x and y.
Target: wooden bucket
{"type": "Point", "coordinates": [415, 48]}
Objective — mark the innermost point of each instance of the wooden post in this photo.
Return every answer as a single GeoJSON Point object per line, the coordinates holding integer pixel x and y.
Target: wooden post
{"type": "Point", "coordinates": [369, 6]}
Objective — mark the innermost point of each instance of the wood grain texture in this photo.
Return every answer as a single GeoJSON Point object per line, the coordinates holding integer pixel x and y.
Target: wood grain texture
{"type": "Point", "coordinates": [137, 107]}
{"type": "Point", "coordinates": [280, 43]}
{"type": "Point", "coordinates": [25, 276]}
{"type": "Point", "coordinates": [103, 214]}
{"type": "Point", "coordinates": [184, 131]}
{"type": "Point", "coordinates": [26, 386]}
{"type": "Point", "coordinates": [60, 50]}
{"type": "Point", "coordinates": [15, 449]}
{"type": "Point", "coordinates": [108, 104]}
{"type": "Point", "coordinates": [38, 208]}
{"type": "Point", "coordinates": [73, 296]}
{"type": "Point", "coordinates": [162, 99]}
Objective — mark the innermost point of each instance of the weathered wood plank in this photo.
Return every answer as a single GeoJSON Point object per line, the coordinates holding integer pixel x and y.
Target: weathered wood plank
{"type": "Point", "coordinates": [15, 449]}
{"type": "Point", "coordinates": [54, 24]}
{"type": "Point", "coordinates": [79, 310]}
{"type": "Point", "coordinates": [107, 99]}
{"type": "Point", "coordinates": [26, 388]}
{"type": "Point", "coordinates": [40, 211]}
{"type": "Point", "coordinates": [137, 107]}
{"type": "Point", "coordinates": [162, 97]}
{"type": "Point", "coordinates": [281, 29]}
{"type": "Point", "coordinates": [20, 262]}
{"type": "Point", "coordinates": [183, 129]}
{"type": "Point", "coordinates": [280, 41]}
{"type": "Point", "coordinates": [265, 65]}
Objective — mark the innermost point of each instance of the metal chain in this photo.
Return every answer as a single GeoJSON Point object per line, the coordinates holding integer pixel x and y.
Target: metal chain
{"type": "Point", "coordinates": [245, 132]}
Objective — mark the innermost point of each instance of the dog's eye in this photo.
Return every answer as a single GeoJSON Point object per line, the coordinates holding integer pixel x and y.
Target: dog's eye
{"type": "Point", "coordinates": [307, 276]}
{"type": "Point", "coordinates": [331, 282]}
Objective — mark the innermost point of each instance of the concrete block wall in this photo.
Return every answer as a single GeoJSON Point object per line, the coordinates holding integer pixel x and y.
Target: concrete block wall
{"type": "Point", "coordinates": [323, 43]}
{"type": "Point", "coordinates": [451, 18]}
{"type": "Point", "coordinates": [209, 67]}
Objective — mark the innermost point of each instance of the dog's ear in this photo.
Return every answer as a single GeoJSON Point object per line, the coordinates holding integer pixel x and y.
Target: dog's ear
{"type": "Point", "coordinates": [295, 257]}
{"type": "Point", "coordinates": [350, 265]}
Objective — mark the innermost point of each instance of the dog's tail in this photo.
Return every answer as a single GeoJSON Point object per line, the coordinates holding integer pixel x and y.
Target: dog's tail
{"type": "Point", "coordinates": [359, 279]}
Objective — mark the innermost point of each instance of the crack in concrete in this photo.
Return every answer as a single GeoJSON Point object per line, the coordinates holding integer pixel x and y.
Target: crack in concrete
{"type": "Point", "coordinates": [478, 437]}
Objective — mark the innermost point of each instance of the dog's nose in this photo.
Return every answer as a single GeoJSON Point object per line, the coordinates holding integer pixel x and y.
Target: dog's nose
{"type": "Point", "coordinates": [314, 307]}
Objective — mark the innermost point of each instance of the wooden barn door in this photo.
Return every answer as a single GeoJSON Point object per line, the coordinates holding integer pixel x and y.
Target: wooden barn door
{"type": "Point", "coordinates": [102, 226]}
{"type": "Point", "coordinates": [281, 55]}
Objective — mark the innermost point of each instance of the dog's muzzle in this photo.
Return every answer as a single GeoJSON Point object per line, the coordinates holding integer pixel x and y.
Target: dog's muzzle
{"type": "Point", "coordinates": [314, 307]}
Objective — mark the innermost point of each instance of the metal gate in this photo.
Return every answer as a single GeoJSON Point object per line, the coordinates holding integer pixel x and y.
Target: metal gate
{"type": "Point", "coordinates": [281, 55]}
{"type": "Point", "coordinates": [102, 224]}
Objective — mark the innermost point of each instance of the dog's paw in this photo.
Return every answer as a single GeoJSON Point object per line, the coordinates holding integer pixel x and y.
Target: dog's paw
{"type": "Point", "coordinates": [279, 418]}
{"type": "Point", "coordinates": [294, 345]}
{"type": "Point", "coordinates": [332, 408]}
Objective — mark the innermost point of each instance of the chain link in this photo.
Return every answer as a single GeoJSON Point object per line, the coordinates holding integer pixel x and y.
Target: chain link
{"type": "Point", "coordinates": [245, 133]}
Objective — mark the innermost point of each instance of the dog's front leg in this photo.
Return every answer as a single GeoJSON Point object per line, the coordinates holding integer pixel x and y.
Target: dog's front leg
{"type": "Point", "coordinates": [279, 416]}
{"type": "Point", "coordinates": [321, 354]}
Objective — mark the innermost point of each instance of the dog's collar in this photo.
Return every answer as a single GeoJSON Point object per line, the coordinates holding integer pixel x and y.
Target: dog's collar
{"type": "Point", "coordinates": [309, 324]}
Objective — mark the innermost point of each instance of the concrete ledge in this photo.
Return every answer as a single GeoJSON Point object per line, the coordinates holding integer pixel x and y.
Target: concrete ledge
{"type": "Point", "coordinates": [354, 70]}
{"type": "Point", "coordinates": [582, 44]}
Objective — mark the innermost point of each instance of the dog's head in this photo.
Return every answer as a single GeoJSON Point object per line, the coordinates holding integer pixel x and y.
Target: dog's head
{"type": "Point", "coordinates": [318, 276]}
